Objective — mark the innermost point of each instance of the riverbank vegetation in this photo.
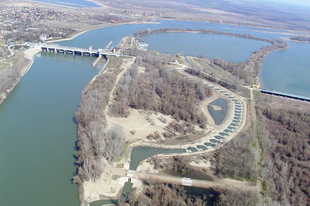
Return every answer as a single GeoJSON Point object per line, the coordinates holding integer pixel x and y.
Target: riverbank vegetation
{"type": "Point", "coordinates": [11, 73]}
{"type": "Point", "coordinates": [97, 145]}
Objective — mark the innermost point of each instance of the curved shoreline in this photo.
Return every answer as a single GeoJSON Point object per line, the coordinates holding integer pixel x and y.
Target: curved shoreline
{"type": "Point", "coordinates": [97, 27]}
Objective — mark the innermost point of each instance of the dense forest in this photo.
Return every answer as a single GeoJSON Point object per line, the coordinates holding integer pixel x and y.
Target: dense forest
{"type": "Point", "coordinates": [160, 90]}
{"type": "Point", "coordinates": [236, 159]}
{"type": "Point", "coordinates": [286, 164]}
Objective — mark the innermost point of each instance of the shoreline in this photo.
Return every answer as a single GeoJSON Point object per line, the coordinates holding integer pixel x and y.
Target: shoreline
{"type": "Point", "coordinates": [98, 27]}
{"type": "Point", "coordinates": [31, 52]}
{"type": "Point", "coordinates": [28, 55]}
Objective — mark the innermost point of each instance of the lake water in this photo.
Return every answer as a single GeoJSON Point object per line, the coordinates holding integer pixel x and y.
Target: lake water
{"type": "Point", "coordinates": [288, 71]}
{"type": "Point", "coordinates": [71, 3]}
{"type": "Point", "coordinates": [37, 132]}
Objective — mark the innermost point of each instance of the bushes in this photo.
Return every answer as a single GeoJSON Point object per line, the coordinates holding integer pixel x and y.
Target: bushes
{"type": "Point", "coordinates": [161, 91]}
{"type": "Point", "coordinates": [163, 195]}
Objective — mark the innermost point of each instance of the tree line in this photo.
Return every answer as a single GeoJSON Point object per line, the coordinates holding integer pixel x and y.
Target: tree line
{"type": "Point", "coordinates": [203, 31]}
{"type": "Point", "coordinates": [300, 38]}
{"type": "Point", "coordinates": [96, 145]}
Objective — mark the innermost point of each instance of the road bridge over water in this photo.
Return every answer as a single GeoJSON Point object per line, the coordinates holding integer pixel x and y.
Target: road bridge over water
{"type": "Point", "coordinates": [79, 51]}
{"type": "Point", "coordinates": [283, 94]}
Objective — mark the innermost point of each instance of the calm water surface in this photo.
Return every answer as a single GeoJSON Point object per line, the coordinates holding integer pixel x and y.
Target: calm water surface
{"type": "Point", "coordinates": [189, 44]}
{"type": "Point", "coordinates": [288, 71]}
{"type": "Point", "coordinates": [218, 115]}
{"type": "Point", "coordinates": [71, 3]}
{"type": "Point", "coordinates": [37, 132]}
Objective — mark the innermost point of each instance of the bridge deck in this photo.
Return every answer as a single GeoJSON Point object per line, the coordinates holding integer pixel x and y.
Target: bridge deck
{"type": "Point", "coordinates": [79, 51]}
{"type": "Point", "coordinates": [283, 94]}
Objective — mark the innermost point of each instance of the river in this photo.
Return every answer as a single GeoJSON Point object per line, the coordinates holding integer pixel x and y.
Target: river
{"type": "Point", "coordinates": [38, 134]}
{"type": "Point", "coordinates": [37, 131]}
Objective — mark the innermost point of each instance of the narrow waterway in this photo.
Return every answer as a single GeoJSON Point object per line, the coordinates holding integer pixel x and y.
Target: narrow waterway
{"type": "Point", "coordinates": [37, 132]}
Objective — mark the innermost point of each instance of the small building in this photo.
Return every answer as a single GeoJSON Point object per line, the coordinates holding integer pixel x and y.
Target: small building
{"type": "Point", "coordinates": [254, 86]}
{"type": "Point", "coordinates": [43, 37]}
{"type": "Point", "coordinates": [112, 21]}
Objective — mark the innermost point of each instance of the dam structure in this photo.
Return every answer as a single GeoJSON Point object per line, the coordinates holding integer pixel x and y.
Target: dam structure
{"type": "Point", "coordinates": [80, 51]}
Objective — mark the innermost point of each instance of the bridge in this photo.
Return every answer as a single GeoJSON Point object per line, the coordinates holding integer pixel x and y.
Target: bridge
{"type": "Point", "coordinates": [282, 94]}
{"type": "Point", "coordinates": [79, 51]}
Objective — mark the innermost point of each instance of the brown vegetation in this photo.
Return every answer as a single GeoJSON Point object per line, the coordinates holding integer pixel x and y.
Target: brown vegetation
{"type": "Point", "coordinates": [286, 164]}
{"type": "Point", "coordinates": [174, 128]}
{"type": "Point", "coordinates": [234, 197]}
{"type": "Point", "coordinates": [237, 158]}
{"type": "Point", "coordinates": [159, 194]}
{"type": "Point", "coordinates": [179, 164]}
{"type": "Point", "coordinates": [95, 143]}
{"type": "Point", "coordinates": [160, 90]}
{"type": "Point", "coordinates": [155, 193]}
{"type": "Point", "coordinates": [10, 76]}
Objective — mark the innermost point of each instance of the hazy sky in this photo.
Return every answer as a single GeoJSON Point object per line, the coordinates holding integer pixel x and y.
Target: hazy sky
{"type": "Point", "coordinates": [303, 2]}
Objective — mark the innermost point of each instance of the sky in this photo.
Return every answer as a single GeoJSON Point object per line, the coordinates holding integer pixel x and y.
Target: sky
{"type": "Point", "coordinates": [300, 2]}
